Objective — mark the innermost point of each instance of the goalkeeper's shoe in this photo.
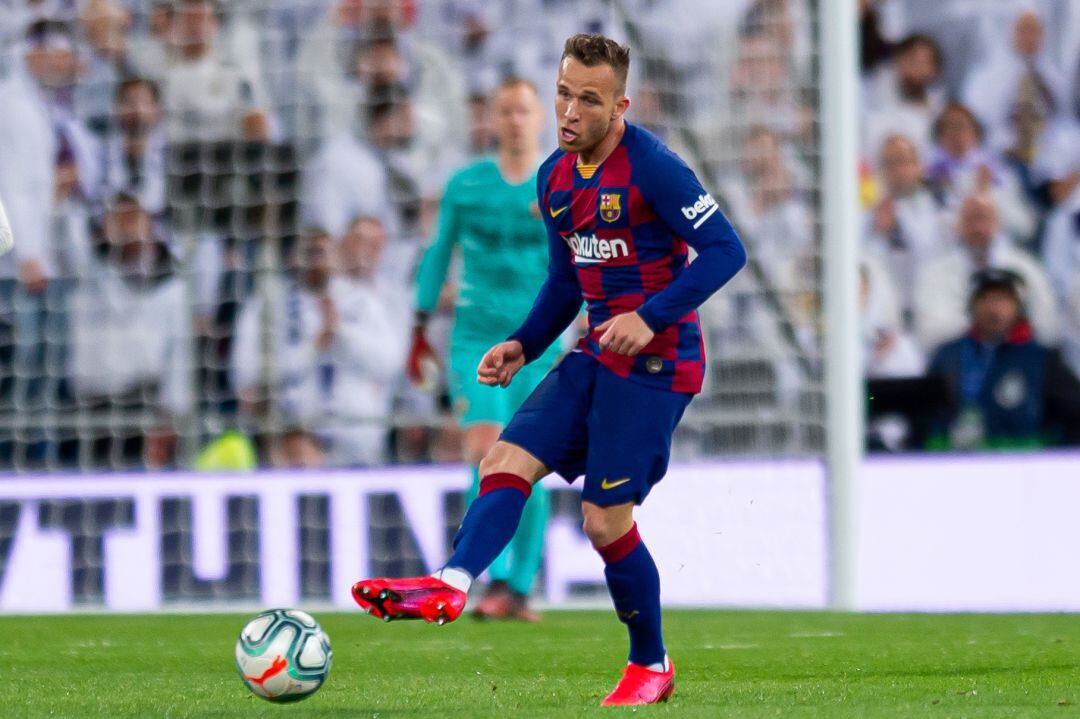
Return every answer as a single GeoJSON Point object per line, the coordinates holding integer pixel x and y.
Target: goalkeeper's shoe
{"type": "Point", "coordinates": [427, 598]}
{"type": "Point", "coordinates": [641, 685]}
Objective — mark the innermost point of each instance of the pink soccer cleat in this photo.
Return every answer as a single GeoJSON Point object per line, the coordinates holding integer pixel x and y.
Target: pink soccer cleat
{"type": "Point", "coordinates": [642, 686]}
{"type": "Point", "coordinates": [427, 598]}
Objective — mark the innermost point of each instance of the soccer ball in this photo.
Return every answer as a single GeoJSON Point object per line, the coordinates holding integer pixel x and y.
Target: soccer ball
{"type": "Point", "coordinates": [283, 655]}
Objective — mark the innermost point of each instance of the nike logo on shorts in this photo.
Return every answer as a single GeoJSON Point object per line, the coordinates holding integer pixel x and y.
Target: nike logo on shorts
{"type": "Point", "coordinates": [612, 485]}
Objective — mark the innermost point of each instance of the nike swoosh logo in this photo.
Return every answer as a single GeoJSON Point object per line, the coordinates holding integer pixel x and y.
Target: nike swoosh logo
{"type": "Point", "coordinates": [612, 485]}
{"type": "Point", "coordinates": [556, 213]}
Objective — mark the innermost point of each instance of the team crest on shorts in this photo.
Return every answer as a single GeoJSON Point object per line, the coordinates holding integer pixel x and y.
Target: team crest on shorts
{"type": "Point", "coordinates": [609, 207]}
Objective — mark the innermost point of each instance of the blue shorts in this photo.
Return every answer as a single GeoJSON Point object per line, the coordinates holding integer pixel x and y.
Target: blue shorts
{"type": "Point", "coordinates": [584, 419]}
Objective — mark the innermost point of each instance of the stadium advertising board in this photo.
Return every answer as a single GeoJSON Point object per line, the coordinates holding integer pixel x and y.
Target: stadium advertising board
{"type": "Point", "coordinates": [989, 533]}
{"type": "Point", "coordinates": [737, 534]}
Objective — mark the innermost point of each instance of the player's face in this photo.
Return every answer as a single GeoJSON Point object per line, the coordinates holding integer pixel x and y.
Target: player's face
{"type": "Point", "coordinates": [517, 119]}
{"type": "Point", "coordinates": [586, 103]}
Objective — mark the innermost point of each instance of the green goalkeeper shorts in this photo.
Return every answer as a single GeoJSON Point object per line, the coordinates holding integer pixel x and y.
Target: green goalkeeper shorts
{"type": "Point", "coordinates": [474, 402]}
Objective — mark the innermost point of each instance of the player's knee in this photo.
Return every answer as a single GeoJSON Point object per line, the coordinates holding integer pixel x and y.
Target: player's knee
{"type": "Point", "coordinates": [510, 459]}
{"type": "Point", "coordinates": [603, 525]}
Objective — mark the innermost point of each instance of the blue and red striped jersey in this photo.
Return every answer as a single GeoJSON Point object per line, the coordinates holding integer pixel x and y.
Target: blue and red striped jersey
{"type": "Point", "coordinates": [618, 237]}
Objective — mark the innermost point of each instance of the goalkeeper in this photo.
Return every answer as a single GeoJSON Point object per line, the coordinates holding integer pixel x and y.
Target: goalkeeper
{"type": "Point", "coordinates": [489, 209]}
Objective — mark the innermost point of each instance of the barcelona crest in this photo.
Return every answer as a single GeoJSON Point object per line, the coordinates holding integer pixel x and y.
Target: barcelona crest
{"type": "Point", "coordinates": [609, 207]}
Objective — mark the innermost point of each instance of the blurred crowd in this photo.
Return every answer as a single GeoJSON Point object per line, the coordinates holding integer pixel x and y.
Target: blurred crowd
{"type": "Point", "coordinates": [970, 153]}
{"type": "Point", "coordinates": [218, 207]}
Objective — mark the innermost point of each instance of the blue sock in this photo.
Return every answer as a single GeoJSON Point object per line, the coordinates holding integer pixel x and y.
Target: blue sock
{"type": "Point", "coordinates": [634, 585]}
{"type": "Point", "coordinates": [490, 522]}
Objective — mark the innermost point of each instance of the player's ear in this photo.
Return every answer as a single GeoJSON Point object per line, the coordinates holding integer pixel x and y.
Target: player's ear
{"type": "Point", "coordinates": [621, 106]}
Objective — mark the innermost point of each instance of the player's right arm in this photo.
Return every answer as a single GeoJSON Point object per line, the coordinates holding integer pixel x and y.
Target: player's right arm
{"type": "Point", "coordinates": [559, 300]}
{"type": "Point", "coordinates": [429, 281]}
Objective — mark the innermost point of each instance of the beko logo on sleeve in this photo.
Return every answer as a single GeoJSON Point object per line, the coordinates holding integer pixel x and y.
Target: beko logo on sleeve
{"type": "Point", "coordinates": [700, 210]}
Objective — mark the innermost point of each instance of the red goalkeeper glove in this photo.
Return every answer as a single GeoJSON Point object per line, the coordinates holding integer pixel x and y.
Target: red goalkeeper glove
{"type": "Point", "coordinates": [421, 358]}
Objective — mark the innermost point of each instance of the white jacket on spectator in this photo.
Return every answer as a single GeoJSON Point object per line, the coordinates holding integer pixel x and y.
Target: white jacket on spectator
{"type": "Point", "coordinates": [970, 31]}
{"type": "Point", "coordinates": [1061, 245]}
{"type": "Point", "coordinates": [345, 180]}
{"type": "Point", "coordinates": [331, 95]}
{"type": "Point", "coordinates": [206, 99]}
{"type": "Point", "coordinates": [886, 113]}
{"type": "Point", "coordinates": [1071, 341]}
{"type": "Point", "coordinates": [888, 349]}
{"type": "Point", "coordinates": [7, 239]}
{"type": "Point", "coordinates": [943, 287]}
{"type": "Point", "coordinates": [124, 335]}
{"type": "Point", "coordinates": [1061, 257]}
{"type": "Point", "coordinates": [27, 157]}
{"type": "Point", "coordinates": [922, 233]}
{"type": "Point", "coordinates": [1058, 152]}
{"type": "Point", "coordinates": [992, 87]}
{"type": "Point", "coordinates": [344, 394]}
{"type": "Point", "coordinates": [151, 173]}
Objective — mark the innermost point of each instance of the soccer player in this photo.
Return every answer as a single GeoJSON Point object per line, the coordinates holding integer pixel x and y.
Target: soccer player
{"type": "Point", "coordinates": [489, 209]}
{"type": "Point", "coordinates": [621, 211]}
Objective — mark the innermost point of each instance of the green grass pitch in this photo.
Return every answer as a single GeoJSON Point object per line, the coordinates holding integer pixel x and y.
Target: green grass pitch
{"type": "Point", "coordinates": [730, 664]}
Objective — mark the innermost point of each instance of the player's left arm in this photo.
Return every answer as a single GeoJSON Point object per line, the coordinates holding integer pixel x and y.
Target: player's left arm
{"type": "Point", "coordinates": [679, 200]}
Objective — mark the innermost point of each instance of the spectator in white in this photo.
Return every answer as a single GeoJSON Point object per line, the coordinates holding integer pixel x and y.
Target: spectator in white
{"type": "Point", "coordinates": [130, 337]}
{"type": "Point", "coordinates": [962, 165]}
{"type": "Point", "coordinates": [971, 32]}
{"type": "Point", "coordinates": [1061, 258]}
{"type": "Point", "coordinates": [1057, 158]}
{"type": "Point", "coordinates": [1017, 78]}
{"type": "Point", "coordinates": [135, 149]}
{"type": "Point", "coordinates": [345, 179]}
{"type": "Point", "coordinates": [385, 71]}
{"type": "Point", "coordinates": [889, 350]}
{"type": "Point", "coordinates": [28, 149]}
{"type": "Point", "coordinates": [338, 342]}
{"type": "Point", "coordinates": [941, 290]}
{"type": "Point", "coordinates": [768, 202]}
{"type": "Point", "coordinates": [105, 25]}
{"type": "Point", "coordinates": [907, 226]}
{"type": "Point", "coordinates": [7, 239]}
{"type": "Point", "coordinates": [48, 154]}
{"type": "Point", "coordinates": [383, 177]}
{"type": "Point", "coordinates": [149, 51]}
{"type": "Point", "coordinates": [904, 96]}
{"type": "Point", "coordinates": [775, 216]}
{"type": "Point", "coordinates": [763, 92]}
{"type": "Point", "coordinates": [335, 64]}
{"type": "Point", "coordinates": [208, 96]}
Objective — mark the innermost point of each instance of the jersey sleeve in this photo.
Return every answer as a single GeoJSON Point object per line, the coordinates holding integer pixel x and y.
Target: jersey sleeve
{"type": "Point", "coordinates": [436, 261]}
{"type": "Point", "coordinates": [559, 300]}
{"type": "Point", "coordinates": [690, 212]}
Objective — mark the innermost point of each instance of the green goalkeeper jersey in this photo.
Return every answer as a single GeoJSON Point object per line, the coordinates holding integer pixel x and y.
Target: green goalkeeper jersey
{"type": "Point", "coordinates": [504, 252]}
